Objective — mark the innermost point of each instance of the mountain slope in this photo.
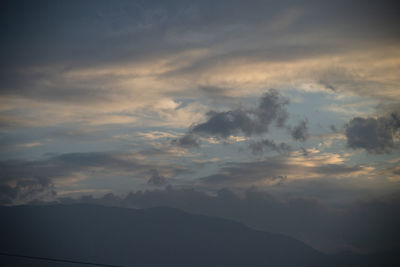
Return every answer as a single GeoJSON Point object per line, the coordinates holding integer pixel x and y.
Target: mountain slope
{"type": "Point", "coordinates": [148, 237]}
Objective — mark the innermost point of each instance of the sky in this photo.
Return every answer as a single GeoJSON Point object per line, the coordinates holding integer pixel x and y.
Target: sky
{"type": "Point", "coordinates": [293, 100]}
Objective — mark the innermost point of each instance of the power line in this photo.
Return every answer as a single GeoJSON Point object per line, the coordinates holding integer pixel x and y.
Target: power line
{"type": "Point", "coordinates": [57, 260]}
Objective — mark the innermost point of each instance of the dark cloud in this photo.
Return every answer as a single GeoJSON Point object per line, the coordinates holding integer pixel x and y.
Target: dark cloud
{"type": "Point", "coordinates": [300, 132]}
{"type": "Point", "coordinates": [323, 226]}
{"type": "Point", "coordinates": [225, 124]}
{"type": "Point", "coordinates": [156, 178]}
{"type": "Point", "coordinates": [266, 144]}
{"type": "Point", "coordinates": [187, 141]}
{"type": "Point", "coordinates": [271, 109]}
{"type": "Point", "coordinates": [375, 135]}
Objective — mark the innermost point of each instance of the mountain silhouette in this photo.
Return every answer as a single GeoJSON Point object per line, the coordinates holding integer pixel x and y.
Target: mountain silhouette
{"type": "Point", "coordinates": [148, 237]}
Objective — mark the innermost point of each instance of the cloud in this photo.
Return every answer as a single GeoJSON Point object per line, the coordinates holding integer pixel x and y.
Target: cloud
{"type": "Point", "coordinates": [256, 121]}
{"type": "Point", "coordinates": [300, 132]}
{"type": "Point", "coordinates": [187, 141]}
{"type": "Point", "coordinates": [250, 122]}
{"type": "Point", "coordinates": [258, 147]}
{"type": "Point", "coordinates": [375, 135]}
{"type": "Point", "coordinates": [271, 109]}
{"type": "Point", "coordinates": [225, 124]}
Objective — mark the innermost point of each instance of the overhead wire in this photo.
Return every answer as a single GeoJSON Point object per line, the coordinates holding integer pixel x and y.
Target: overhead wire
{"type": "Point", "coordinates": [58, 260]}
